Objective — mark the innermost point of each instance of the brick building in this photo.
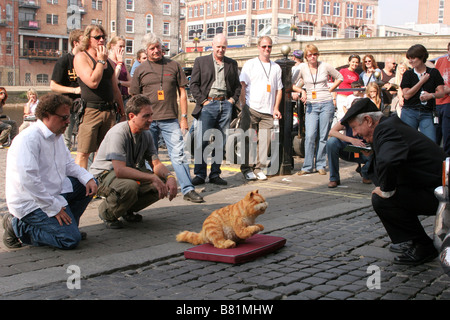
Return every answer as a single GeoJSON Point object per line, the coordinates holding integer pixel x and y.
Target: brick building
{"type": "Point", "coordinates": [284, 20]}
{"type": "Point", "coordinates": [34, 33]}
{"type": "Point", "coordinates": [434, 11]}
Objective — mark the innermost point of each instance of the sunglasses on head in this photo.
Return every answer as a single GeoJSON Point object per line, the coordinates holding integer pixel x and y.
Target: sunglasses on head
{"type": "Point", "coordinates": [102, 36]}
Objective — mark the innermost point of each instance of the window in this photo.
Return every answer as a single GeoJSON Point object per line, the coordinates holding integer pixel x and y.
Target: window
{"type": "Point", "coordinates": [213, 28]}
{"type": "Point", "coordinates": [284, 27]}
{"type": "Point", "coordinates": [352, 32]}
{"type": "Point", "coordinates": [264, 27]}
{"type": "Point", "coordinates": [129, 25]}
{"type": "Point", "coordinates": [97, 4]}
{"type": "Point", "coordinates": [149, 22]}
{"type": "Point", "coordinates": [167, 9]}
{"type": "Point", "coordinates": [42, 78]}
{"type": "Point", "coordinates": [254, 4]}
{"type": "Point", "coordinates": [261, 4]}
{"type": "Point", "coordinates": [349, 10]}
{"type": "Point", "coordinates": [166, 45]}
{"type": "Point", "coordinates": [222, 6]}
{"type": "Point", "coordinates": [9, 12]}
{"type": "Point", "coordinates": [269, 4]}
{"type": "Point", "coordinates": [329, 31]}
{"type": "Point", "coordinates": [166, 28]}
{"type": "Point", "coordinates": [201, 11]}
{"type": "Point", "coordinates": [312, 6]}
{"type": "Point", "coordinates": [230, 5]}
{"type": "Point", "coordinates": [281, 4]}
{"type": "Point", "coordinates": [305, 28]}
{"type": "Point", "coordinates": [129, 46]}
{"type": "Point", "coordinates": [288, 4]}
{"type": "Point", "coordinates": [336, 9]}
{"type": "Point", "coordinates": [326, 8]}
{"type": "Point", "coordinates": [369, 13]}
{"type": "Point", "coordinates": [113, 25]}
{"type": "Point", "coordinates": [190, 12]}
{"type": "Point", "coordinates": [244, 5]}
{"type": "Point", "coordinates": [195, 11]}
{"type": "Point", "coordinates": [302, 6]}
{"type": "Point", "coordinates": [208, 9]}
{"type": "Point", "coordinates": [359, 11]}
{"type": "Point", "coordinates": [236, 28]}
{"type": "Point", "coordinates": [52, 19]}
{"type": "Point", "coordinates": [130, 5]}
{"type": "Point", "coordinates": [236, 5]}
{"type": "Point", "coordinates": [195, 31]}
{"type": "Point", "coordinates": [9, 41]}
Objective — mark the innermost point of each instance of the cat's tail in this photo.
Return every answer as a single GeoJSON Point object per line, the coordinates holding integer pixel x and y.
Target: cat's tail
{"type": "Point", "coordinates": [191, 237]}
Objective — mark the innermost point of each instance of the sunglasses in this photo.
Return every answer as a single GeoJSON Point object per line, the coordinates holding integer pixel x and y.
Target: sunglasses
{"type": "Point", "coordinates": [367, 61]}
{"type": "Point", "coordinates": [2, 92]}
{"type": "Point", "coordinates": [312, 54]}
{"type": "Point", "coordinates": [102, 36]}
{"type": "Point", "coordinates": [63, 118]}
{"type": "Point", "coordinates": [264, 47]}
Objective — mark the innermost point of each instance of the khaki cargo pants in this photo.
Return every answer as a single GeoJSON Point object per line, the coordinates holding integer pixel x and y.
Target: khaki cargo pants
{"type": "Point", "coordinates": [124, 195]}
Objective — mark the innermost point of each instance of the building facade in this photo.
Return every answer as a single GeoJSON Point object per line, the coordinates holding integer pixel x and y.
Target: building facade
{"type": "Point", "coordinates": [243, 21]}
{"type": "Point", "coordinates": [434, 11]}
{"type": "Point", "coordinates": [34, 33]}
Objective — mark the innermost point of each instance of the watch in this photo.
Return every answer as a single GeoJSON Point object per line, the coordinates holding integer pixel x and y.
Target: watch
{"type": "Point", "coordinates": [184, 115]}
{"type": "Point", "coordinates": [101, 61]}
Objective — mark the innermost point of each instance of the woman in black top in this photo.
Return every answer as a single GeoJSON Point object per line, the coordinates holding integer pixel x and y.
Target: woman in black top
{"type": "Point", "coordinates": [421, 86]}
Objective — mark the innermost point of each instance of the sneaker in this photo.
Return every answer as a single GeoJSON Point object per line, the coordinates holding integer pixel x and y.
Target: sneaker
{"type": "Point", "coordinates": [261, 176]}
{"type": "Point", "coordinates": [302, 173]}
{"type": "Point", "coordinates": [193, 197]}
{"type": "Point", "coordinates": [322, 172]}
{"type": "Point", "coordinates": [249, 175]}
{"type": "Point", "coordinates": [9, 237]}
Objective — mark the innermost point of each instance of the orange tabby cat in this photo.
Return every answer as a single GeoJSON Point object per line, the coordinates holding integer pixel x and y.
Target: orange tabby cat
{"type": "Point", "coordinates": [226, 226]}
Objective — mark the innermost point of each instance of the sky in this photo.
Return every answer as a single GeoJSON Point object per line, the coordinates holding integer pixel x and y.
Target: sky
{"type": "Point", "coordinates": [397, 12]}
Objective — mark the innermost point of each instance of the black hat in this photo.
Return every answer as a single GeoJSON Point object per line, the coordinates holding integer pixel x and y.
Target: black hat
{"type": "Point", "coordinates": [359, 106]}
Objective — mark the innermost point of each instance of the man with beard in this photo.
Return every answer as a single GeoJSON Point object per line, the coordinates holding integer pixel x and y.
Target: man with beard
{"type": "Point", "coordinates": [124, 180]}
{"type": "Point", "coordinates": [46, 192]}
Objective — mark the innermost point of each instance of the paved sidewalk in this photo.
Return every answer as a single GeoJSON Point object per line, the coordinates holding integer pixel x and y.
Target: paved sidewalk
{"type": "Point", "coordinates": [333, 236]}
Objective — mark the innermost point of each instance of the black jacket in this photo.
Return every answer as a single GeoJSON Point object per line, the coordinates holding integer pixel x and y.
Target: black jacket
{"type": "Point", "coordinates": [404, 156]}
{"type": "Point", "coordinates": [203, 76]}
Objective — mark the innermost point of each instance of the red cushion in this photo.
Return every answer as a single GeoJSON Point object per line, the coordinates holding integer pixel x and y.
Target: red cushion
{"type": "Point", "coordinates": [254, 247]}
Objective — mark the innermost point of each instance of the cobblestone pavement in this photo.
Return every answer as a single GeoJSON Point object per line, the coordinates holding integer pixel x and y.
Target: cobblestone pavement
{"type": "Point", "coordinates": [336, 249]}
{"type": "Point", "coordinates": [328, 259]}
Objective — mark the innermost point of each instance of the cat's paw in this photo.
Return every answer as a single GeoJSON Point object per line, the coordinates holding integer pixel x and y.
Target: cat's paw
{"type": "Point", "coordinates": [260, 226]}
{"type": "Point", "coordinates": [228, 244]}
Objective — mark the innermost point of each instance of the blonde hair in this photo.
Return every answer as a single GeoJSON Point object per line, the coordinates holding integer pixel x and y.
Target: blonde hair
{"type": "Point", "coordinates": [114, 41]}
{"type": "Point", "coordinates": [311, 49]}
{"type": "Point", "coordinates": [87, 35]}
{"type": "Point", "coordinates": [377, 99]}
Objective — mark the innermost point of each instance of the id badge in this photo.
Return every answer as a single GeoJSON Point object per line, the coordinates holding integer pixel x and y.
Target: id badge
{"type": "Point", "coordinates": [160, 95]}
{"type": "Point", "coordinates": [268, 88]}
{"type": "Point", "coordinates": [314, 94]}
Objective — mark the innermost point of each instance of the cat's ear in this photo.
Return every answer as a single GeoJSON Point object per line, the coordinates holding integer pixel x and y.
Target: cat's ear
{"type": "Point", "coordinates": [252, 193]}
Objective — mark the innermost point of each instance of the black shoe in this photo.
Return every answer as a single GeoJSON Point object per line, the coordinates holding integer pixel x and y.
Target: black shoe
{"type": "Point", "coordinates": [132, 217]}
{"type": "Point", "coordinates": [400, 247]}
{"type": "Point", "coordinates": [193, 197]}
{"type": "Point", "coordinates": [9, 237]}
{"type": "Point", "coordinates": [218, 180]}
{"type": "Point", "coordinates": [417, 254]}
{"type": "Point", "coordinates": [83, 235]}
{"type": "Point", "coordinates": [197, 181]}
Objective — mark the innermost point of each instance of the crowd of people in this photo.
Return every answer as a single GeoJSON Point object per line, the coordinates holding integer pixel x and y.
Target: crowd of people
{"type": "Point", "coordinates": [121, 115]}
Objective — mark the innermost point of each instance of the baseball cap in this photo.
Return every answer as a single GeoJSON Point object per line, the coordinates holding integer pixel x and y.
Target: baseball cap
{"type": "Point", "coordinates": [298, 54]}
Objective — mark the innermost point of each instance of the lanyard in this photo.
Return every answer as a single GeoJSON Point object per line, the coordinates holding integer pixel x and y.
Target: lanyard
{"type": "Point", "coordinates": [162, 71]}
{"type": "Point", "coordinates": [270, 68]}
{"type": "Point", "coordinates": [317, 72]}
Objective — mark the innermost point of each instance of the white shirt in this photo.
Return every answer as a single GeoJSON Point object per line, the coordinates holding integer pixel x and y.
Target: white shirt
{"type": "Point", "coordinates": [257, 75]}
{"type": "Point", "coordinates": [37, 166]}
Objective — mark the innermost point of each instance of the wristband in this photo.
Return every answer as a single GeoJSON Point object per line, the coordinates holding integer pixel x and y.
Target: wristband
{"type": "Point", "coordinates": [170, 176]}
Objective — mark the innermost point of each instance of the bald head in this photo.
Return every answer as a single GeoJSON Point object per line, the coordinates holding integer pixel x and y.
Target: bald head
{"type": "Point", "coordinates": [219, 45]}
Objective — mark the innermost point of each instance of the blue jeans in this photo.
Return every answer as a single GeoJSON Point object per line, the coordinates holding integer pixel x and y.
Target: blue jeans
{"type": "Point", "coordinates": [171, 133]}
{"type": "Point", "coordinates": [318, 119]}
{"type": "Point", "coordinates": [443, 111]}
{"type": "Point", "coordinates": [215, 115]}
{"type": "Point", "coordinates": [37, 229]}
{"type": "Point", "coordinates": [422, 120]}
{"type": "Point", "coordinates": [335, 150]}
